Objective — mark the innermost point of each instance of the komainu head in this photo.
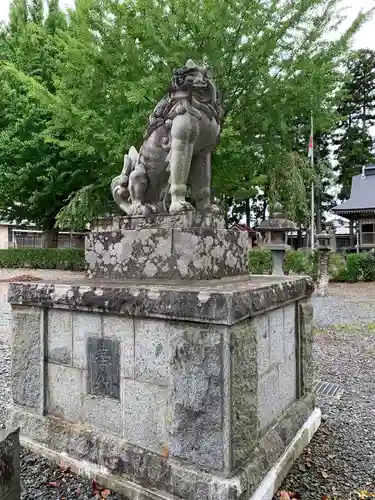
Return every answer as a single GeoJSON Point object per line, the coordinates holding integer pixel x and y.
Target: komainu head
{"type": "Point", "coordinates": [196, 79]}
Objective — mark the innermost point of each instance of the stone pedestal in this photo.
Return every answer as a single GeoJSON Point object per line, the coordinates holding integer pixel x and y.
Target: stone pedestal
{"type": "Point", "coordinates": [323, 273]}
{"type": "Point", "coordinates": [169, 247]}
{"type": "Point", "coordinates": [162, 389]}
{"type": "Point", "coordinates": [10, 485]}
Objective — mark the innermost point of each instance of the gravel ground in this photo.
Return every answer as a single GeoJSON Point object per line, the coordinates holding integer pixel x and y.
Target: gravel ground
{"type": "Point", "coordinates": [340, 461]}
{"type": "Point", "coordinates": [43, 480]}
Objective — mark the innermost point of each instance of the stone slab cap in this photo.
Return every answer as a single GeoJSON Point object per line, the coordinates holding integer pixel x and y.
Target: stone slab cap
{"type": "Point", "coordinates": [224, 301]}
{"type": "Point", "coordinates": [277, 222]}
{"type": "Point", "coordinates": [183, 220]}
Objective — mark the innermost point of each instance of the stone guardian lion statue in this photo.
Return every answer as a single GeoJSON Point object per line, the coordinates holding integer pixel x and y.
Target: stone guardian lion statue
{"type": "Point", "coordinates": [183, 131]}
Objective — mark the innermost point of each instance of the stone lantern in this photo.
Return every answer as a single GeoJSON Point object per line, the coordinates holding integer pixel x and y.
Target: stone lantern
{"type": "Point", "coordinates": [277, 226]}
{"type": "Point", "coordinates": [323, 241]}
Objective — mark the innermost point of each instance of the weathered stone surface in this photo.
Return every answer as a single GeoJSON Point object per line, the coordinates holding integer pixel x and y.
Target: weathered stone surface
{"type": "Point", "coordinates": [103, 367]}
{"type": "Point", "coordinates": [287, 381]}
{"type": "Point", "coordinates": [65, 390]}
{"type": "Point", "coordinates": [196, 485]}
{"type": "Point", "coordinates": [153, 350]}
{"type": "Point", "coordinates": [260, 324]}
{"type": "Point", "coordinates": [277, 374]}
{"type": "Point", "coordinates": [10, 485]}
{"type": "Point", "coordinates": [269, 406]}
{"type": "Point", "coordinates": [305, 335]}
{"type": "Point", "coordinates": [27, 357]}
{"type": "Point", "coordinates": [214, 398]}
{"type": "Point", "coordinates": [32, 425]}
{"type": "Point", "coordinates": [103, 413]}
{"type": "Point", "coordinates": [323, 272]}
{"type": "Point", "coordinates": [182, 132]}
{"type": "Point", "coordinates": [153, 471]}
{"type": "Point", "coordinates": [122, 329]}
{"type": "Point", "coordinates": [181, 221]}
{"type": "Point", "coordinates": [290, 334]}
{"type": "Point", "coordinates": [166, 253]}
{"type": "Point", "coordinates": [149, 469]}
{"type": "Point", "coordinates": [226, 301]}
{"type": "Point", "coordinates": [84, 326]}
{"type": "Point", "coordinates": [60, 337]}
{"type": "Point", "coordinates": [144, 467]}
{"type": "Point", "coordinates": [145, 415]}
{"type": "Point", "coordinates": [196, 434]}
{"type": "Point", "coordinates": [273, 443]}
{"type": "Point", "coordinates": [244, 418]}
{"type": "Point", "coordinates": [276, 335]}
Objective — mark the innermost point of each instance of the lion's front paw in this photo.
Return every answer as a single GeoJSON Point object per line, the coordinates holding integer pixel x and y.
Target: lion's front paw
{"type": "Point", "coordinates": [152, 209]}
{"type": "Point", "coordinates": [180, 206]}
{"type": "Point", "coordinates": [215, 209]}
{"type": "Point", "coordinates": [138, 209]}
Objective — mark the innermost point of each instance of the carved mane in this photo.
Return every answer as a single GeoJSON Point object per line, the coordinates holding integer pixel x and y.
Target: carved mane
{"type": "Point", "coordinates": [182, 87]}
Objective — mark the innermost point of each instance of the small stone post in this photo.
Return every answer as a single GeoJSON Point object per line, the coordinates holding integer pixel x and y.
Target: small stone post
{"type": "Point", "coordinates": [277, 225]}
{"type": "Point", "coordinates": [324, 246]}
{"type": "Point", "coordinates": [10, 486]}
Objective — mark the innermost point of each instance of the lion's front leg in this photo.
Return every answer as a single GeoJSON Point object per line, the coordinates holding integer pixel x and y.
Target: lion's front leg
{"type": "Point", "coordinates": [138, 184]}
{"type": "Point", "coordinates": [184, 133]}
{"type": "Point", "coordinates": [200, 181]}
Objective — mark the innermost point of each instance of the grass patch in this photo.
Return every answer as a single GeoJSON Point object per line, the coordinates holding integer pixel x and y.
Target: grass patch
{"type": "Point", "coordinates": [345, 328]}
{"type": "Point", "coordinates": [319, 331]}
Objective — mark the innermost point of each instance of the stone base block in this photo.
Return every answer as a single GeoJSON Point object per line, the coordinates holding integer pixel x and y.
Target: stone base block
{"type": "Point", "coordinates": [276, 475]}
{"type": "Point", "coordinates": [140, 474]}
{"type": "Point", "coordinates": [185, 390]}
{"type": "Point", "coordinates": [188, 246]}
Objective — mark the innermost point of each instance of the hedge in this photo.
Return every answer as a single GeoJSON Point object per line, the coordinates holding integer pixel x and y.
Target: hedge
{"type": "Point", "coordinates": [69, 259]}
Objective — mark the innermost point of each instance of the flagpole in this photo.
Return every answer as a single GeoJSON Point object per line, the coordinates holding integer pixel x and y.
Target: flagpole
{"type": "Point", "coordinates": [312, 184]}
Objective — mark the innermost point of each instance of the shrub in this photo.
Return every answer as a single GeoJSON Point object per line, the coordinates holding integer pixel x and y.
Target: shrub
{"type": "Point", "coordinates": [298, 261]}
{"type": "Point", "coordinates": [259, 261]}
{"type": "Point", "coordinates": [353, 267]}
{"type": "Point", "coordinates": [359, 266]}
{"type": "Point", "coordinates": [367, 263]}
{"type": "Point", "coordinates": [336, 263]}
{"type": "Point", "coordinates": [69, 259]}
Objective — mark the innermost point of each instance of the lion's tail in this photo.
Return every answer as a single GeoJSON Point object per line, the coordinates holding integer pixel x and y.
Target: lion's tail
{"type": "Point", "coordinates": [120, 183]}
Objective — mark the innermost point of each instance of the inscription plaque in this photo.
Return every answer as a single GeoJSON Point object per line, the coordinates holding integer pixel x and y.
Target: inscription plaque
{"type": "Point", "coordinates": [104, 367]}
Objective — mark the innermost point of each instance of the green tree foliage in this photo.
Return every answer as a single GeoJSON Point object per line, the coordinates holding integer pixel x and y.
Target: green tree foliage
{"type": "Point", "coordinates": [36, 11]}
{"type": "Point", "coordinates": [354, 144]}
{"type": "Point", "coordinates": [272, 65]}
{"type": "Point", "coordinates": [92, 82]}
{"type": "Point", "coordinates": [17, 16]}
{"type": "Point", "coordinates": [56, 20]}
{"type": "Point", "coordinates": [36, 175]}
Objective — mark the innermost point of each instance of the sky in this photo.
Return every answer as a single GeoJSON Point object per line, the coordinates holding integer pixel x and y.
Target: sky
{"type": "Point", "coordinates": [364, 39]}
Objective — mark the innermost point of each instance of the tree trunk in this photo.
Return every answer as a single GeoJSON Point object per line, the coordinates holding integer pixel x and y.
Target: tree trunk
{"type": "Point", "coordinates": [299, 242]}
{"type": "Point", "coordinates": [50, 238]}
{"type": "Point", "coordinates": [247, 210]}
{"type": "Point", "coordinates": [264, 209]}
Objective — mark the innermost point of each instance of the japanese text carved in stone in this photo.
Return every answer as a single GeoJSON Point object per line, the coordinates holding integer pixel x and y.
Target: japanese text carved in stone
{"type": "Point", "coordinates": [104, 367]}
